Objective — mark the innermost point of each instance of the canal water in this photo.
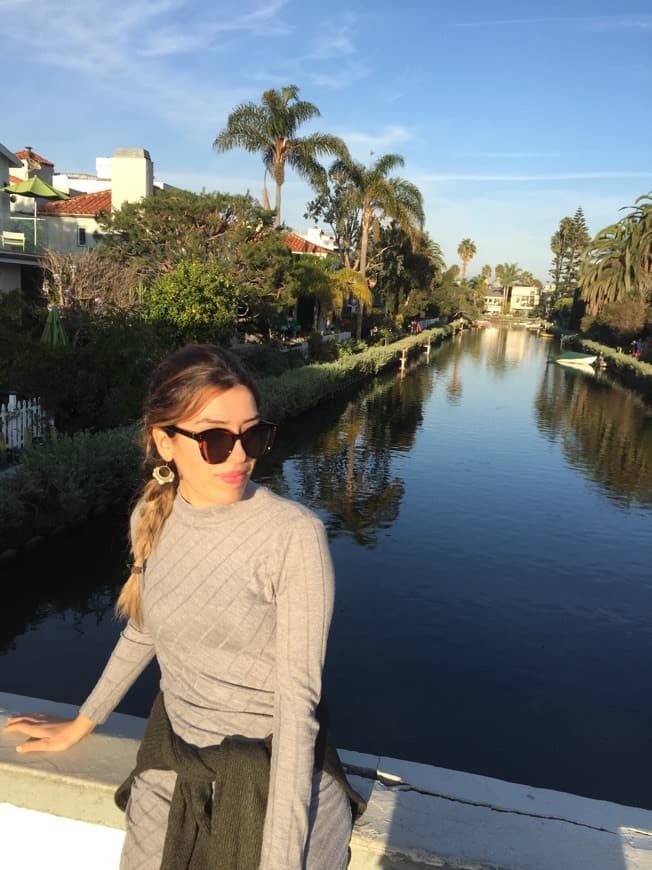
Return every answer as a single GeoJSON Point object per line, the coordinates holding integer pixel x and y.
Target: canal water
{"type": "Point", "coordinates": [490, 522]}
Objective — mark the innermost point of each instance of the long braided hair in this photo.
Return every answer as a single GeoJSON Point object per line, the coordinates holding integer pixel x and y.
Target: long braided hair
{"type": "Point", "coordinates": [182, 384]}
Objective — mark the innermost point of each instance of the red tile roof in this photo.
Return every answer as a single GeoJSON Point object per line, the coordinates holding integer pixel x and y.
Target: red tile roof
{"type": "Point", "coordinates": [23, 155]}
{"type": "Point", "coordinates": [88, 204]}
{"type": "Point", "coordinates": [299, 245]}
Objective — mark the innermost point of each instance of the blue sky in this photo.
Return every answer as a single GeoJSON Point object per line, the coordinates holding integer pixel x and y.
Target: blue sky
{"type": "Point", "coordinates": [509, 115]}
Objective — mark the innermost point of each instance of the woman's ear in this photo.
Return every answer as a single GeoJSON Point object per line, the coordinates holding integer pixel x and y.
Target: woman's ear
{"type": "Point", "coordinates": [163, 444]}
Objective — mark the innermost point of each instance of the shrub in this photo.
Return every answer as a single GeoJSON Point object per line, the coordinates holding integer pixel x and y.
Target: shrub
{"type": "Point", "coordinates": [320, 350]}
{"type": "Point", "coordinates": [269, 360]}
{"type": "Point", "coordinates": [351, 346]}
{"type": "Point", "coordinates": [298, 390]}
{"type": "Point", "coordinates": [65, 481]}
{"type": "Point", "coordinates": [97, 383]}
{"type": "Point", "coordinates": [196, 301]}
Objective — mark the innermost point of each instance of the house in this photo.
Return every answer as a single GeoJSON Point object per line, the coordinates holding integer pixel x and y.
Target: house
{"type": "Point", "coordinates": [32, 164]}
{"type": "Point", "coordinates": [524, 299]}
{"type": "Point", "coordinates": [72, 223]}
{"type": "Point", "coordinates": [313, 241]}
{"type": "Point", "coordinates": [12, 241]}
{"type": "Point", "coordinates": [493, 301]}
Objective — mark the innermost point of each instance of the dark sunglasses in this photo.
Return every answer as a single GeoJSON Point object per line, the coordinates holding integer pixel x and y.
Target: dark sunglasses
{"type": "Point", "coordinates": [216, 445]}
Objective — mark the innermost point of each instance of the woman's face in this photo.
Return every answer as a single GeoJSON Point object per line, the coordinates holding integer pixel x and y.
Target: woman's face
{"type": "Point", "coordinates": [201, 483]}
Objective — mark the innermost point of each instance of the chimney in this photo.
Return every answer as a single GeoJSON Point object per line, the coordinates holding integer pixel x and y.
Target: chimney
{"type": "Point", "coordinates": [132, 176]}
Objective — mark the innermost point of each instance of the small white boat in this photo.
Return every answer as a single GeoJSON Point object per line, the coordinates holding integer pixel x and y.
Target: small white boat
{"type": "Point", "coordinates": [574, 358]}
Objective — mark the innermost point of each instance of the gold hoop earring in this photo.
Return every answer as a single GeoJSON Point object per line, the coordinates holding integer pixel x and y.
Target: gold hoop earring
{"type": "Point", "coordinates": [163, 474]}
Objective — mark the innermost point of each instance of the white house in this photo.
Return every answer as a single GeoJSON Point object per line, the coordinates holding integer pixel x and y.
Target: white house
{"type": "Point", "coordinates": [12, 241]}
{"type": "Point", "coordinates": [524, 299]}
{"type": "Point", "coordinates": [72, 223]}
{"type": "Point", "coordinates": [493, 301]}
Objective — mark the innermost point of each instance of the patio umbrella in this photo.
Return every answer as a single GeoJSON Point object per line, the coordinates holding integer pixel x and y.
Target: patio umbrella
{"type": "Point", "coordinates": [53, 332]}
{"type": "Point", "coordinates": [35, 188]}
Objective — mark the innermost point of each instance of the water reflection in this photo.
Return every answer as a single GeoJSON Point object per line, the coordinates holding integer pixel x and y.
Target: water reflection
{"type": "Point", "coordinates": [65, 580]}
{"type": "Point", "coordinates": [604, 431]}
{"type": "Point", "coordinates": [345, 469]}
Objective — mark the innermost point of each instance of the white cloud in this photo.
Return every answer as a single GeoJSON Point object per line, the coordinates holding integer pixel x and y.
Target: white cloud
{"type": "Point", "coordinates": [553, 176]}
{"type": "Point", "coordinates": [594, 22]}
{"type": "Point", "coordinates": [360, 141]}
{"type": "Point", "coordinates": [509, 155]}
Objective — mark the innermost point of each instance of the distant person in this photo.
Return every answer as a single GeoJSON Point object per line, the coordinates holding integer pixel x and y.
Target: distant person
{"type": "Point", "coordinates": [231, 588]}
{"type": "Point", "coordinates": [639, 348]}
{"type": "Point", "coordinates": [418, 328]}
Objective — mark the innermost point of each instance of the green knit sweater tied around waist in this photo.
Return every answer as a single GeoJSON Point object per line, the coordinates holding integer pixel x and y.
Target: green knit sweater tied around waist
{"type": "Point", "coordinates": [224, 832]}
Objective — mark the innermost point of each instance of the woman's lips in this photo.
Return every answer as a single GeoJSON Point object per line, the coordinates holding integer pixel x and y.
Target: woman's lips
{"type": "Point", "coordinates": [233, 478]}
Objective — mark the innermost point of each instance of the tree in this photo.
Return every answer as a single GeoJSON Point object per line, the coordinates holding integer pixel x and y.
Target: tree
{"type": "Point", "coordinates": [567, 245]}
{"type": "Point", "coordinates": [577, 243]}
{"type": "Point", "coordinates": [466, 251]}
{"type": "Point", "coordinates": [91, 282]}
{"type": "Point", "coordinates": [486, 274]}
{"type": "Point", "coordinates": [337, 205]}
{"type": "Point", "coordinates": [156, 235]}
{"type": "Point", "coordinates": [159, 232]}
{"type": "Point", "coordinates": [196, 302]}
{"type": "Point", "coordinates": [270, 129]}
{"type": "Point", "coordinates": [508, 274]}
{"type": "Point", "coordinates": [447, 294]}
{"type": "Point", "coordinates": [378, 197]}
{"type": "Point", "coordinates": [617, 265]}
{"type": "Point", "coordinates": [405, 270]}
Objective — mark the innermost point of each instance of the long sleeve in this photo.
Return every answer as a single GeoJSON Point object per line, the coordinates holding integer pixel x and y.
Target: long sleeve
{"type": "Point", "coordinates": [132, 653]}
{"type": "Point", "coordinates": [304, 604]}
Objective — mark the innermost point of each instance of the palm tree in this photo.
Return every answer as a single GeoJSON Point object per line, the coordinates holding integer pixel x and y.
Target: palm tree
{"type": "Point", "coordinates": [486, 274]}
{"type": "Point", "coordinates": [270, 129]}
{"type": "Point", "coordinates": [466, 251]}
{"type": "Point", "coordinates": [508, 274]}
{"type": "Point", "coordinates": [618, 262]}
{"type": "Point", "coordinates": [379, 197]}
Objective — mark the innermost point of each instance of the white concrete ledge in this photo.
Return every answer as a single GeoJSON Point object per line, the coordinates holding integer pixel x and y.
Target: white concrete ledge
{"type": "Point", "coordinates": [57, 810]}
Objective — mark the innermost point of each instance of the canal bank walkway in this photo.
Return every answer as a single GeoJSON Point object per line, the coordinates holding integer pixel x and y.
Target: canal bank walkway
{"type": "Point", "coordinates": [57, 811]}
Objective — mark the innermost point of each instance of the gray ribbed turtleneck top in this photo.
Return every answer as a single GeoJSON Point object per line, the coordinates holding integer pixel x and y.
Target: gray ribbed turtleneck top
{"type": "Point", "coordinates": [237, 603]}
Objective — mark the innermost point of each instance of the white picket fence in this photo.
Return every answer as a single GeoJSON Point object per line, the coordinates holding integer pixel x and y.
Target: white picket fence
{"type": "Point", "coordinates": [21, 421]}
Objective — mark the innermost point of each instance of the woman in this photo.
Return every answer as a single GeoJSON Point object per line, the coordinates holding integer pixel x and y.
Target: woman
{"type": "Point", "coordinates": [232, 590]}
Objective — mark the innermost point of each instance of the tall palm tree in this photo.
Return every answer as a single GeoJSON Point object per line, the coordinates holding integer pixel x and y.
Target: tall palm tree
{"type": "Point", "coordinates": [486, 274]}
{"type": "Point", "coordinates": [380, 197]}
{"type": "Point", "coordinates": [618, 263]}
{"type": "Point", "coordinates": [508, 274]}
{"type": "Point", "coordinates": [270, 129]}
{"type": "Point", "coordinates": [466, 251]}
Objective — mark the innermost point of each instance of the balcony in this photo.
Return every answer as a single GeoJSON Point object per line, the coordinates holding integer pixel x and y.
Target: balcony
{"type": "Point", "coordinates": [20, 234]}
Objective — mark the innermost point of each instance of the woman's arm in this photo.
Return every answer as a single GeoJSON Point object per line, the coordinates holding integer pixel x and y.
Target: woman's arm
{"type": "Point", "coordinates": [49, 733]}
{"type": "Point", "coordinates": [304, 604]}
{"type": "Point", "coordinates": [131, 655]}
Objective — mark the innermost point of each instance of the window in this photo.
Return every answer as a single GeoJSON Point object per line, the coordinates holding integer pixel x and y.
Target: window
{"type": "Point", "coordinates": [81, 236]}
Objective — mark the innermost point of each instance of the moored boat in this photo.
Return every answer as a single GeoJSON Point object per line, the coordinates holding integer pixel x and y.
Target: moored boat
{"type": "Point", "coordinates": [574, 358]}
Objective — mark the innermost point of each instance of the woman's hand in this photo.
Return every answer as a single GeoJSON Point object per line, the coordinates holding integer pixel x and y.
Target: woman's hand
{"type": "Point", "coordinates": [48, 733]}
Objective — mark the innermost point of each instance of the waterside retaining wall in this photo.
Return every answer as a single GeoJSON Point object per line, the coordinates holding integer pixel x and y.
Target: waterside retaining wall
{"type": "Point", "coordinates": [57, 810]}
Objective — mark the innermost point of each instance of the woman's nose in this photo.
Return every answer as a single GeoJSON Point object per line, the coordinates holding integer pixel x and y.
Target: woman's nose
{"type": "Point", "coordinates": [238, 451]}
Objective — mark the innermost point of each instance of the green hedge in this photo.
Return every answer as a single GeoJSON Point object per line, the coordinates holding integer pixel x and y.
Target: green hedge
{"type": "Point", "coordinates": [631, 371]}
{"type": "Point", "coordinates": [64, 482]}
{"type": "Point", "coordinates": [299, 390]}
